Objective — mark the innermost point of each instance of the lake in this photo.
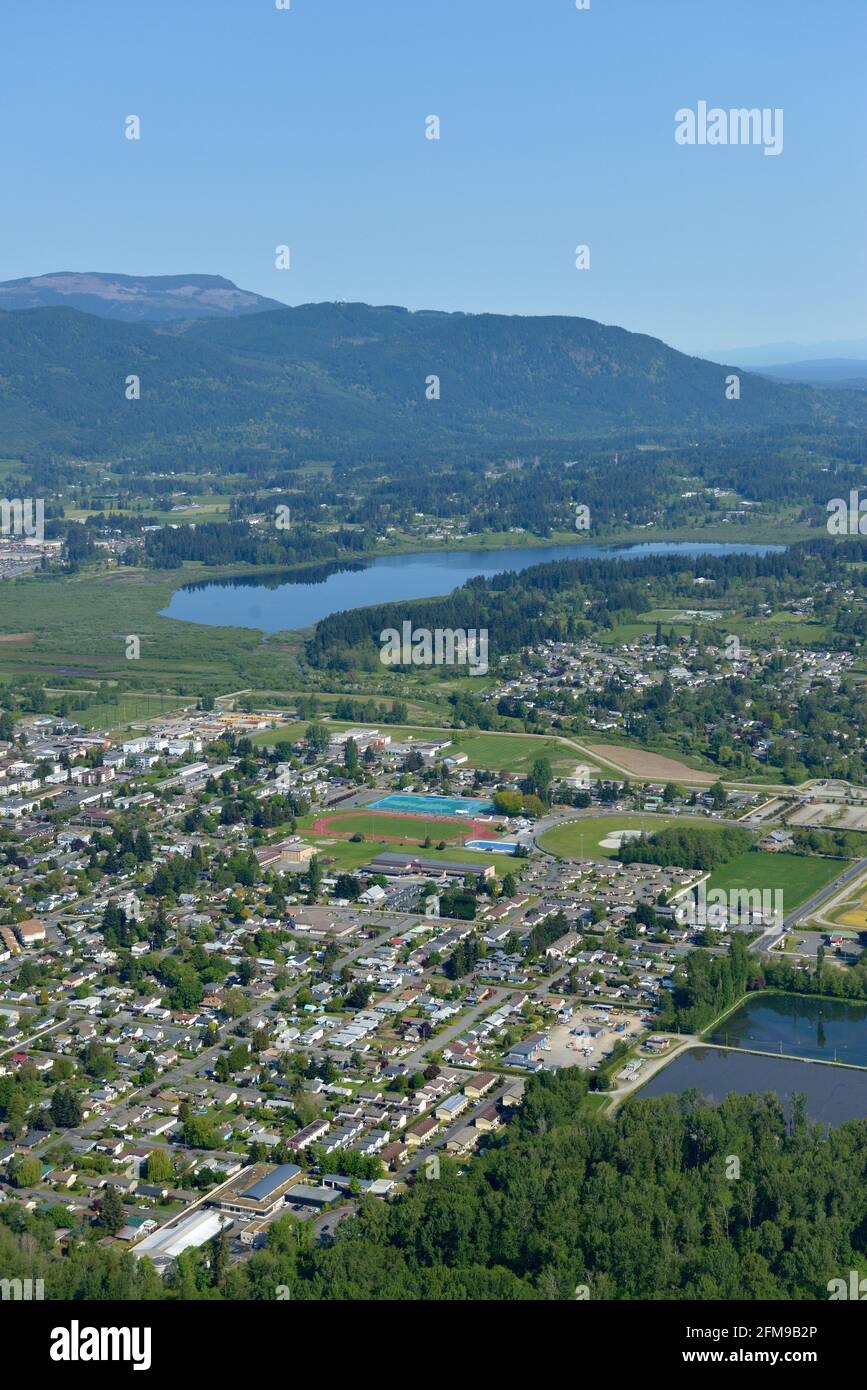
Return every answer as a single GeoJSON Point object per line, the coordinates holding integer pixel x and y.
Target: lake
{"type": "Point", "coordinates": [280, 602]}
{"type": "Point", "coordinates": [833, 1094]}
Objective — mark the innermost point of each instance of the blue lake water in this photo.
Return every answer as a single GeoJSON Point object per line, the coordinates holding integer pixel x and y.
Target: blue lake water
{"type": "Point", "coordinates": [833, 1094]}
{"type": "Point", "coordinates": [828, 1030]}
{"type": "Point", "coordinates": [282, 602]}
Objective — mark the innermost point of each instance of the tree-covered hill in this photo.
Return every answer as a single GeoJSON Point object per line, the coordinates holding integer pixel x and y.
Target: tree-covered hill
{"type": "Point", "coordinates": [330, 377]}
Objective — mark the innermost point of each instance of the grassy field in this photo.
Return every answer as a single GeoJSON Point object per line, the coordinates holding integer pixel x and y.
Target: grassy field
{"type": "Point", "coordinates": [348, 857]}
{"type": "Point", "coordinates": [853, 914]}
{"type": "Point", "coordinates": [798, 876]}
{"type": "Point", "coordinates": [384, 824]}
{"type": "Point", "coordinates": [657, 765]}
{"type": "Point", "coordinates": [582, 838]}
{"type": "Point", "coordinates": [516, 752]}
{"type": "Point", "coordinates": [79, 625]}
{"type": "Point", "coordinates": [491, 752]}
{"type": "Point", "coordinates": [120, 712]}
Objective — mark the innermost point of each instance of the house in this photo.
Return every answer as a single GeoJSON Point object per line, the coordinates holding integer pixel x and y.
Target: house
{"type": "Point", "coordinates": [480, 1085]}
{"type": "Point", "coordinates": [310, 1134]}
{"type": "Point", "coordinates": [564, 946]}
{"type": "Point", "coordinates": [31, 932]}
{"type": "Point", "coordinates": [394, 1155]}
{"type": "Point", "coordinates": [463, 1140]}
{"type": "Point", "coordinates": [453, 1106]}
{"type": "Point", "coordinates": [423, 1131]}
{"type": "Point", "coordinates": [487, 1119]}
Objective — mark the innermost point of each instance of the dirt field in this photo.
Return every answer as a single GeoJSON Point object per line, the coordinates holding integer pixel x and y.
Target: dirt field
{"type": "Point", "coordinates": [815, 814]}
{"type": "Point", "coordinates": [652, 765]}
{"type": "Point", "coordinates": [852, 818]}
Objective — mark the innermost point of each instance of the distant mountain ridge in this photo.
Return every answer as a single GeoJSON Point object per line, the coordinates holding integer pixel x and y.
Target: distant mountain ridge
{"type": "Point", "coordinates": [349, 379]}
{"type": "Point", "coordinates": [785, 354]}
{"type": "Point", "coordinates": [839, 373]}
{"type": "Point", "coordinates": [134, 298]}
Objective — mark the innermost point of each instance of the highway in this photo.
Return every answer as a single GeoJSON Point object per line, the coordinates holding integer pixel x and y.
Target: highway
{"type": "Point", "coordinates": [809, 906]}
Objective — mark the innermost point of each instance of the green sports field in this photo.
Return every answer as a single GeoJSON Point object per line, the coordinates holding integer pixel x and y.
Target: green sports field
{"type": "Point", "coordinates": [349, 857]}
{"type": "Point", "coordinates": [798, 876]}
{"type": "Point", "coordinates": [582, 838]}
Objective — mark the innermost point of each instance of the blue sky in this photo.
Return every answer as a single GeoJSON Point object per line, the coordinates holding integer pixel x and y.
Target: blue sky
{"type": "Point", "coordinates": [262, 127]}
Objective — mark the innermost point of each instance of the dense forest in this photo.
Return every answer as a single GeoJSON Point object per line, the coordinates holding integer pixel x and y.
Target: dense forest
{"type": "Point", "coordinates": [523, 607]}
{"type": "Point", "coordinates": [563, 1204]}
{"type": "Point", "coordinates": [215, 543]}
{"type": "Point", "coordinates": [705, 986]}
{"type": "Point", "coordinates": [325, 376]}
{"type": "Point", "coordinates": [687, 847]}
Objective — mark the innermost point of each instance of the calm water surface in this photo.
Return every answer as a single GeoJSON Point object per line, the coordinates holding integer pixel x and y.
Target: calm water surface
{"type": "Point", "coordinates": [276, 603]}
{"type": "Point", "coordinates": [821, 1029]}
{"type": "Point", "coordinates": [833, 1094]}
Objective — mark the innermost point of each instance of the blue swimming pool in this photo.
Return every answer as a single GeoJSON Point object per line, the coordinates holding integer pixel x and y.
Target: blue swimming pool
{"type": "Point", "coordinates": [414, 805]}
{"type": "Point", "coordinates": [493, 846]}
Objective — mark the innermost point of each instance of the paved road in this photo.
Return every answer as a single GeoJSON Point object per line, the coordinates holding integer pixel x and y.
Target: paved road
{"type": "Point", "coordinates": [441, 1040]}
{"type": "Point", "coordinates": [807, 908]}
{"type": "Point", "coordinates": [34, 1038]}
{"type": "Point", "coordinates": [185, 1067]}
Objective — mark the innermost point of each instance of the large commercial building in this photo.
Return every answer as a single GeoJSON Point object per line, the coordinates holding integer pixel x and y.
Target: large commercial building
{"type": "Point", "coordinates": [259, 1192]}
{"type": "Point", "coordinates": [404, 865]}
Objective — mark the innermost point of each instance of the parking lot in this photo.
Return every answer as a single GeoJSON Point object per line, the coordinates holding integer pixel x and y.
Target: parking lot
{"type": "Point", "coordinates": [590, 1035]}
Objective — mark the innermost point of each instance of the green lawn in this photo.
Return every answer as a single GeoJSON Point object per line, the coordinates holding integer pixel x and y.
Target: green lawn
{"type": "Point", "coordinates": [123, 710]}
{"type": "Point", "coordinates": [349, 857]}
{"type": "Point", "coordinates": [582, 839]}
{"type": "Point", "coordinates": [797, 875]}
{"type": "Point", "coordinates": [516, 752]}
{"type": "Point", "coordinates": [493, 752]}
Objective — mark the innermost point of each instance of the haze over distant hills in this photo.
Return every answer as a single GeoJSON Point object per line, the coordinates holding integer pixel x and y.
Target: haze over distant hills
{"type": "Point", "coordinates": [323, 379]}
{"type": "Point", "coordinates": [134, 298]}
{"type": "Point", "coordinates": [839, 373]}
{"type": "Point", "coordinates": [782, 354]}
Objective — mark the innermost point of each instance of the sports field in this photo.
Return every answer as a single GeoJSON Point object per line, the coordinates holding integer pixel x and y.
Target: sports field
{"type": "Point", "coordinates": [797, 876]}
{"type": "Point", "coordinates": [598, 837]}
{"type": "Point", "coordinates": [348, 857]}
{"type": "Point", "coordinates": [414, 805]}
{"type": "Point", "coordinates": [388, 826]}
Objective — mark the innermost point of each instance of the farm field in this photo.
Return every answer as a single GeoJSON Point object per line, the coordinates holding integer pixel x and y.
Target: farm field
{"type": "Point", "coordinates": [797, 875]}
{"type": "Point", "coordinates": [652, 766]}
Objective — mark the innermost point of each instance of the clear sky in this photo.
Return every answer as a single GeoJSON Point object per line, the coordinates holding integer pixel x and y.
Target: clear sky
{"type": "Point", "coordinates": [306, 127]}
